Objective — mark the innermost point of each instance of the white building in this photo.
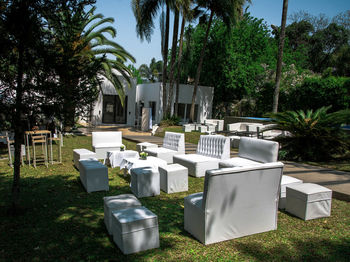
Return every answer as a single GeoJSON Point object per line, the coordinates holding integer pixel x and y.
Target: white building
{"type": "Point", "coordinates": [109, 110]}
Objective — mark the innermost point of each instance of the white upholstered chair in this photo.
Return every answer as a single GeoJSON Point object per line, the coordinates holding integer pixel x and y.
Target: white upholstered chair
{"type": "Point", "coordinates": [236, 202]}
{"type": "Point", "coordinates": [252, 152]}
{"type": "Point", "coordinates": [173, 144]}
{"type": "Point", "coordinates": [106, 141]}
{"type": "Point", "coordinates": [210, 150]}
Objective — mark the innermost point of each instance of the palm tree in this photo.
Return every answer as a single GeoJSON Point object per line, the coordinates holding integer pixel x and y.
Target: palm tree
{"type": "Point", "coordinates": [280, 57]}
{"type": "Point", "coordinates": [145, 12]}
{"type": "Point", "coordinates": [229, 11]}
{"type": "Point", "coordinates": [80, 35]}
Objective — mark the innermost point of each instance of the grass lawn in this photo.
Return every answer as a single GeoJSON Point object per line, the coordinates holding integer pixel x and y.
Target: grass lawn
{"type": "Point", "coordinates": [64, 223]}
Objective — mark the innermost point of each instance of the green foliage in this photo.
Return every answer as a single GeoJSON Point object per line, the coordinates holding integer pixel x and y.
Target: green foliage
{"type": "Point", "coordinates": [313, 135]}
{"type": "Point", "coordinates": [169, 120]}
{"type": "Point", "coordinates": [329, 91]}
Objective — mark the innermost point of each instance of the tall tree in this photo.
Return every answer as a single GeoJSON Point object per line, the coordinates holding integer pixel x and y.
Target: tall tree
{"type": "Point", "coordinates": [280, 57]}
{"type": "Point", "coordinates": [228, 11]}
{"type": "Point", "coordinates": [145, 13]}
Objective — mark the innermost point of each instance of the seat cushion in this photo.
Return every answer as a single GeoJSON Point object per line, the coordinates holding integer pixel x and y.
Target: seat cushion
{"type": "Point", "coordinates": [237, 162]}
{"type": "Point", "coordinates": [197, 164]}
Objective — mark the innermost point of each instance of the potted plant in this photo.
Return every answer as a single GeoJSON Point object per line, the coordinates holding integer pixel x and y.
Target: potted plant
{"type": "Point", "coordinates": [122, 148]}
{"type": "Point", "coordinates": [143, 155]}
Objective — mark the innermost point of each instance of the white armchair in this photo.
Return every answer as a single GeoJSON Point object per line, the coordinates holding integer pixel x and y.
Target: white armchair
{"type": "Point", "coordinates": [173, 144]}
{"type": "Point", "coordinates": [236, 202]}
{"type": "Point", "coordinates": [210, 150]}
{"type": "Point", "coordinates": [106, 141]}
{"type": "Point", "coordinates": [252, 152]}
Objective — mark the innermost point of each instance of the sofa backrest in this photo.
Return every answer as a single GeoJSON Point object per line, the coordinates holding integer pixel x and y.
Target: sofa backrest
{"type": "Point", "coordinates": [216, 146]}
{"type": "Point", "coordinates": [106, 137]}
{"type": "Point", "coordinates": [241, 200]}
{"type": "Point", "coordinates": [259, 150]}
{"type": "Point", "coordinates": [174, 141]}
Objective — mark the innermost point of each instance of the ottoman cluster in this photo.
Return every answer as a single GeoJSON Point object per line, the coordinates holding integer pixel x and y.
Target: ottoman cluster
{"type": "Point", "coordinates": [304, 200]}
{"type": "Point", "coordinates": [134, 227]}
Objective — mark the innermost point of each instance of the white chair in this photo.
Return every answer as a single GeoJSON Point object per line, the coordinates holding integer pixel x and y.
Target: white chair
{"type": "Point", "coordinates": [210, 150]}
{"type": "Point", "coordinates": [106, 141]}
{"type": "Point", "coordinates": [173, 144]}
{"type": "Point", "coordinates": [253, 151]}
{"type": "Point", "coordinates": [236, 202]}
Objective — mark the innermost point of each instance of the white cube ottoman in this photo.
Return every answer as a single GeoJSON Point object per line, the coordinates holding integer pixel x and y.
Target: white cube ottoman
{"type": "Point", "coordinates": [135, 229]}
{"type": "Point", "coordinates": [286, 181]}
{"type": "Point", "coordinates": [145, 182]}
{"type": "Point", "coordinates": [173, 178]}
{"type": "Point", "coordinates": [140, 147]}
{"type": "Point", "coordinates": [82, 154]}
{"type": "Point", "coordinates": [202, 129]}
{"type": "Point", "coordinates": [113, 203]}
{"type": "Point", "coordinates": [308, 201]}
{"type": "Point", "coordinates": [93, 175]}
{"type": "Point", "coordinates": [188, 127]}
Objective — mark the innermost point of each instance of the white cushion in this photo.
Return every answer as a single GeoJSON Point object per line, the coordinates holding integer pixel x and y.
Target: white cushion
{"type": "Point", "coordinates": [197, 164]}
{"type": "Point", "coordinates": [108, 145]}
{"type": "Point", "coordinates": [237, 162]}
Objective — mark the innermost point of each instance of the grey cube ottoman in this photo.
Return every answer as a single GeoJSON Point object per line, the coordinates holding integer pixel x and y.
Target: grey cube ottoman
{"type": "Point", "coordinates": [93, 175]}
{"type": "Point", "coordinates": [140, 147]}
{"type": "Point", "coordinates": [113, 203]}
{"type": "Point", "coordinates": [286, 181]}
{"type": "Point", "coordinates": [173, 178]}
{"type": "Point", "coordinates": [308, 201]}
{"type": "Point", "coordinates": [145, 182]}
{"type": "Point", "coordinates": [135, 229]}
{"type": "Point", "coordinates": [82, 153]}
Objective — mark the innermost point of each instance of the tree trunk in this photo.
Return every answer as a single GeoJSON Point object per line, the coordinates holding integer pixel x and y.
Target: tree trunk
{"type": "Point", "coordinates": [14, 209]}
{"type": "Point", "coordinates": [165, 58]}
{"type": "Point", "coordinates": [173, 58]}
{"type": "Point", "coordinates": [199, 68]}
{"type": "Point", "coordinates": [179, 60]}
{"type": "Point", "coordinates": [280, 57]}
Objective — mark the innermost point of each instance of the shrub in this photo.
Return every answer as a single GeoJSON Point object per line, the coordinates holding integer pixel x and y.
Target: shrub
{"type": "Point", "coordinates": [170, 121]}
{"type": "Point", "coordinates": [314, 135]}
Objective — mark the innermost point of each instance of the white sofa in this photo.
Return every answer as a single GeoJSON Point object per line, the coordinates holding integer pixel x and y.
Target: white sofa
{"type": "Point", "coordinates": [252, 152]}
{"type": "Point", "coordinates": [219, 124]}
{"type": "Point", "coordinates": [235, 127]}
{"type": "Point", "coordinates": [106, 141]}
{"type": "Point", "coordinates": [236, 202]}
{"type": "Point", "coordinates": [210, 150]}
{"type": "Point", "coordinates": [173, 144]}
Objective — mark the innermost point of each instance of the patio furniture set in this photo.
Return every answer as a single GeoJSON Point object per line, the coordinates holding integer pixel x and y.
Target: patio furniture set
{"type": "Point", "coordinates": [209, 126]}
{"type": "Point", "coordinates": [240, 197]}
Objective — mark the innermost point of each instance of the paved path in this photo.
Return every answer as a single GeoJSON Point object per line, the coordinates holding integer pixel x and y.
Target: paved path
{"type": "Point", "coordinates": [338, 181]}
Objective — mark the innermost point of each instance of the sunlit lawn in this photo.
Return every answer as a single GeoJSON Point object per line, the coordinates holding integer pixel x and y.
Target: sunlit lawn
{"type": "Point", "coordinates": [64, 223]}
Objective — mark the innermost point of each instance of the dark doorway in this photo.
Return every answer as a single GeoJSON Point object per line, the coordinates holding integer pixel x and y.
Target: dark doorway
{"type": "Point", "coordinates": [113, 111]}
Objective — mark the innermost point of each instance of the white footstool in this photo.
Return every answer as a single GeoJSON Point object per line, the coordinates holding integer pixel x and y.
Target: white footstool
{"type": "Point", "coordinates": [114, 203]}
{"type": "Point", "coordinates": [140, 147]}
{"type": "Point", "coordinates": [135, 229]}
{"type": "Point", "coordinates": [93, 175]}
{"type": "Point", "coordinates": [82, 153]}
{"type": "Point", "coordinates": [308, 201]}
{"type": "Point", "coordinates": [286, 181]}
{"type": "Point", "coordinates": [173, 178]}
{"type": "Point", "coordinates": [145, 181]}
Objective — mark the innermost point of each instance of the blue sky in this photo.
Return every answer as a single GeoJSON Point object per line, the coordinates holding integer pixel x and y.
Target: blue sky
{"type": "Point", "coordinates": [269, 10]}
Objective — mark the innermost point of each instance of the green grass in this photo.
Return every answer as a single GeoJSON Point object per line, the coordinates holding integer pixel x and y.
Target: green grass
{"type": "Point", "coordinates": [64, 223]}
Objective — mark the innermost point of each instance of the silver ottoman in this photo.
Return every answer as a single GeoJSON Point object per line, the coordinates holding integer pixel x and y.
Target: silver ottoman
{"type": "Point", "coordinates": [114, 203]}
{"type": "Point", "coordinates": [135, 229]}
{"type": "Point", "coordinates": [144, 182]}
{"type": "Point", "coordinates": [93, 175]}
{"type": "Point", "coordinates": [308, 201]}
{"type": "Point", "coordinates": [173, 178]}
{"type": "Point", "coordinates": [286, 181]}
{"type": "Point", "coordinates": [140, 147]}
{"type": "Point", "coordinates": [82, 154]}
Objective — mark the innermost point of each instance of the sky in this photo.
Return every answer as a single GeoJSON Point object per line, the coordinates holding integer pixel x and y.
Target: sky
{"type": "Point", "coordinates": [269, 10]}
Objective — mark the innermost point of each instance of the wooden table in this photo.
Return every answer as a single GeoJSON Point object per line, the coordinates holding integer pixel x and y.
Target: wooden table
{"type": "Point", "coordinates": [38, 132]}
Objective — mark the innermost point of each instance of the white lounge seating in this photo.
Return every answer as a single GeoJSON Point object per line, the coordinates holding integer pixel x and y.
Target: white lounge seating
{"type": "Point", "coordinates": [253, 151]}
{"type": "Point", "coordinates": [210, 150]}
{"type": "Point", "coordinates": [106, 141]}
{"type": "Point", "coordinates": [219, 124]}
{"type": "Point", "coordinates": [173, 144]}
{"type": "Point", "coordinates": [93, 175]}
{"type": "Point", "coordinates": [188, 127]}
{"type": "Point", "coordinates": [236, 202]}
{"type": "Point", "coordinates": [82, 153]}
{"type": "Point", "coordinates": [236, 127]}
{"type": "Point", "coordinates": [286, 181]}
{"type": "Point", "coordinates": [145, 181]}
